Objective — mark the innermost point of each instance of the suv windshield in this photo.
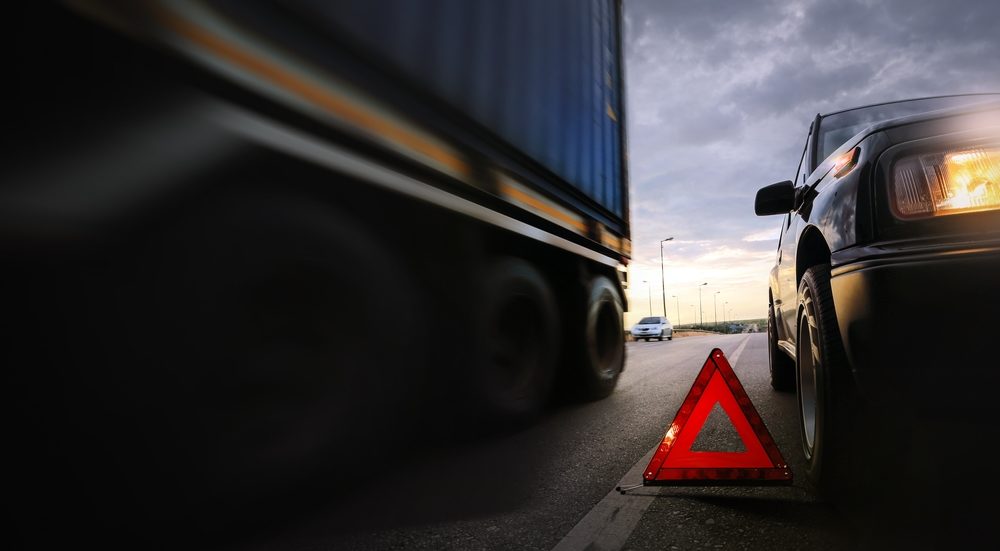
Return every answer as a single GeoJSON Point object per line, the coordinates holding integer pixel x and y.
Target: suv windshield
{"type": "Point", "coordinates": [837, 128]}
{"type": "Point", "coordinates": [646, 321]}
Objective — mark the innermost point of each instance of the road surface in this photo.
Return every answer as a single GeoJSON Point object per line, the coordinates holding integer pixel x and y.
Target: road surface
{"type": "Point", "coordinates": [552, 485]}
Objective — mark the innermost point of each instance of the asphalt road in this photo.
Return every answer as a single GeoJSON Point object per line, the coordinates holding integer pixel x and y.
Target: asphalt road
{"type": "Point", "coordinates": [926, 482]}
{"type": "Point", "coordinates": [553, 483]}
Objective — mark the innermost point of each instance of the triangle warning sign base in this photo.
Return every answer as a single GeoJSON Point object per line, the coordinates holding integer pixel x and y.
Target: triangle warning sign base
{"type": "Point", "coordinates": [675, 464]}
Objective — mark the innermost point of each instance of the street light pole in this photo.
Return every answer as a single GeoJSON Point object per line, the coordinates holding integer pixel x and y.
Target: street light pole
{"type": "Point", "coordinates": [725, 312]}
{"type": "Point", "coordinates": [715, 307]}
{"type": "Point", "coordinates": [678, 302]}
{"type": "Point", "coordinates": [663, 288]}
{"type": "Point", "coordinates": [701, 312]}
{"type": "Point", "coordinates": [649, 291]}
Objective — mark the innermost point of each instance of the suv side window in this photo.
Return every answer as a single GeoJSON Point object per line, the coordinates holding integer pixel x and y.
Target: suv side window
{"type": "Point", "coordinates": [803, 170]}
{"type": "Point", "coordinates": [801, 173]}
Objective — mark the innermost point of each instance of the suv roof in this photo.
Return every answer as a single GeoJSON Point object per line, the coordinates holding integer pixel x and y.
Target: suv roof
{"type": "Point", "coordinates": [978, 94]}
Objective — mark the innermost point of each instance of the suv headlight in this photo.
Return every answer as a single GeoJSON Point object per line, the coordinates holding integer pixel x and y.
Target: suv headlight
{"type": "Point", "coordinates": [947, 182]}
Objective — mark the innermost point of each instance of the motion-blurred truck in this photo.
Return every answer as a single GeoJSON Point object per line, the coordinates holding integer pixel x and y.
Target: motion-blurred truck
{"type": "Point", "coordinates": [257, 232]}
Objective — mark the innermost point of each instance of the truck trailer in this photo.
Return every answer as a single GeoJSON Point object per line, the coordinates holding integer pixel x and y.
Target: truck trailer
{"type": "Point", "coordinates": [279, 228]}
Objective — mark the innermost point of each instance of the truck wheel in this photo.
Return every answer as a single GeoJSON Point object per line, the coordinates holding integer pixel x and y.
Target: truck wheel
{"type": "Point", "coordinates": [825, 392]}
{"type": "Point", "coordinates": [516, 341]}
{"type": "Point", "coordinates": [603, 352]}
{"type": "Point", "coordinates": [782, 367]}
{"type": "Point", "coordinates": [259, 369]}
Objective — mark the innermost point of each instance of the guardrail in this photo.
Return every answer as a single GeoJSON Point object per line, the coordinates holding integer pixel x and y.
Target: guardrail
{"type": "Point", "coordinates": [688, 333]}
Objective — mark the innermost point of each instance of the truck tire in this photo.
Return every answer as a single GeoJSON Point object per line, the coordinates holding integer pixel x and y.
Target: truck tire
{"type": "Point", "coordinates": [602, 355]}
{"type": "Point", "coordinates": [262, 372]}
{"type": "Point", "coordinates": [516, 341]}
{"type": "Point", "coordinates": [781, 366]}
{"type": "Point", "coordinates": [825, 392]}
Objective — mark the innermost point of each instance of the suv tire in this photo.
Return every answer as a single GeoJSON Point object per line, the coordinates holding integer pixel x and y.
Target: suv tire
{"type": "Point", "coordinates": [825, 393]}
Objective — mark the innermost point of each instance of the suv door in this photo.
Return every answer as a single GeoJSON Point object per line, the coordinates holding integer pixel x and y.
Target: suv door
{"type": "Point", "coordinates": [786, 303]}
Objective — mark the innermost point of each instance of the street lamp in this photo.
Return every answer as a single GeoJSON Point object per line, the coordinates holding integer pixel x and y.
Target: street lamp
{"type": "Point", "coordinates": [649, 289]}
{"type": "Point", "coordinates": [663, 289]}
{"type": "Point", "coordinates": [678, 302]}
{"type": "Point", "coordinates": [715, 306]}
{"type": "Point", "coordinates": [701, 314]}
{"type": "Point", "coordinates": [725, 312]}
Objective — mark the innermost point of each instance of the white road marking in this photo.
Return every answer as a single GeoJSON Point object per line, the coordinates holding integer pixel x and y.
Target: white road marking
{"type": "Point", "coordinates": [739, 350]}
{"type": "Point", "coordinates": [609, 524]}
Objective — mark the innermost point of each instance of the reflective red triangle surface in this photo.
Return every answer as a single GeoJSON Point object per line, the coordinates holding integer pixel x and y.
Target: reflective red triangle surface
{"type": "Point", "coordinates": [675, 463]}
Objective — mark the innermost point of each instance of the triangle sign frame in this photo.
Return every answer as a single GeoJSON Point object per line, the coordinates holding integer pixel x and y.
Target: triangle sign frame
{"type": "Point", "coordinates": [675, 464]}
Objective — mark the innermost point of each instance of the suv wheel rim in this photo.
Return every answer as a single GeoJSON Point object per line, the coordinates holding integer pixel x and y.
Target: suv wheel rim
{"type": "Point", "coordinates": [808, 361]}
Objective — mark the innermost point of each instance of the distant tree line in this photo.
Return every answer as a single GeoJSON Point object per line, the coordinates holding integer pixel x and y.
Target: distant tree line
{"type": "Point", "coordinates": [739, 326]}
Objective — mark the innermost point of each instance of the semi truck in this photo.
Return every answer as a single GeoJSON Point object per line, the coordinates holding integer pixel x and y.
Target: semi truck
{"type": "Point", "coordinates": [264, 231]}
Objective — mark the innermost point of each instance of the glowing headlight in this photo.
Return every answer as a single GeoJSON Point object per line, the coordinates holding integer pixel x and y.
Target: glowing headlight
{"type": "Point", "coordinates": [949, 182]}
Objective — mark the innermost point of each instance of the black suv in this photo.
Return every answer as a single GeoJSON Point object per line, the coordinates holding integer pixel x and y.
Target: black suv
{"type": "Point", "coordinates": [887, 273]}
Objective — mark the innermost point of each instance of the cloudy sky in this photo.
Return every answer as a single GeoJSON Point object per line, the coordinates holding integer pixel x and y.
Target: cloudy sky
{"type": "Point", "coordinates": [720, 96]}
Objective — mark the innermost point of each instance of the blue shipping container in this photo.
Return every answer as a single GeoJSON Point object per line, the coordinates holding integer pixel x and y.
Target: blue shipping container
{"type": "Point", "coordinates": [543, 75]}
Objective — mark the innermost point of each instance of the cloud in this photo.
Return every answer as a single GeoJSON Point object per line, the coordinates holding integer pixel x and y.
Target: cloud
{"type": "Point", "coordinates": [721, 95]}
{"type": "Point", "coordinates": [764, 235]}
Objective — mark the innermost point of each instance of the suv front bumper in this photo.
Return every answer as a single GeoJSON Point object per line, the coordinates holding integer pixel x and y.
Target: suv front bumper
{"type": "Point", "coordinates": [923, 323]}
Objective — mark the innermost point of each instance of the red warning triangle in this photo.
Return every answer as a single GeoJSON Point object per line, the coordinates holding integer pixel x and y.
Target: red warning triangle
{"type": "Point", "coordinates": [674, 463]}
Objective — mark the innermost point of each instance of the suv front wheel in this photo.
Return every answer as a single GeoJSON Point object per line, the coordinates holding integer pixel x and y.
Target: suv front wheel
{"type": "Point", "coordinates": [825, 393]}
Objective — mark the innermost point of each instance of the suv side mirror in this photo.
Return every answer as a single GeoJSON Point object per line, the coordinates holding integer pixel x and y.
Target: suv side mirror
{"type": "Point", "coordinates": [775, 199]}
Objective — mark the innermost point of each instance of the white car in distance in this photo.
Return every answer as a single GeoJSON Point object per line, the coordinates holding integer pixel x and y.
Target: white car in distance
{"type": "Point", "coordinates": [653, 327]}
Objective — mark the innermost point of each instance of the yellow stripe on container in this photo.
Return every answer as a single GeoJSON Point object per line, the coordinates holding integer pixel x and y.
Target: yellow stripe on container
{"type": "Point", "coordinates": [313, 93]}
{"type": "Point", "coordinates": [517, 194]}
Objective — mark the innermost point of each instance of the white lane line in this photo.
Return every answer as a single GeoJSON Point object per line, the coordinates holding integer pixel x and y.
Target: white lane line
{"type": "Point", "coordinates": [739, 350]}
{"type": "Point", "coordinates": [609, 524]}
